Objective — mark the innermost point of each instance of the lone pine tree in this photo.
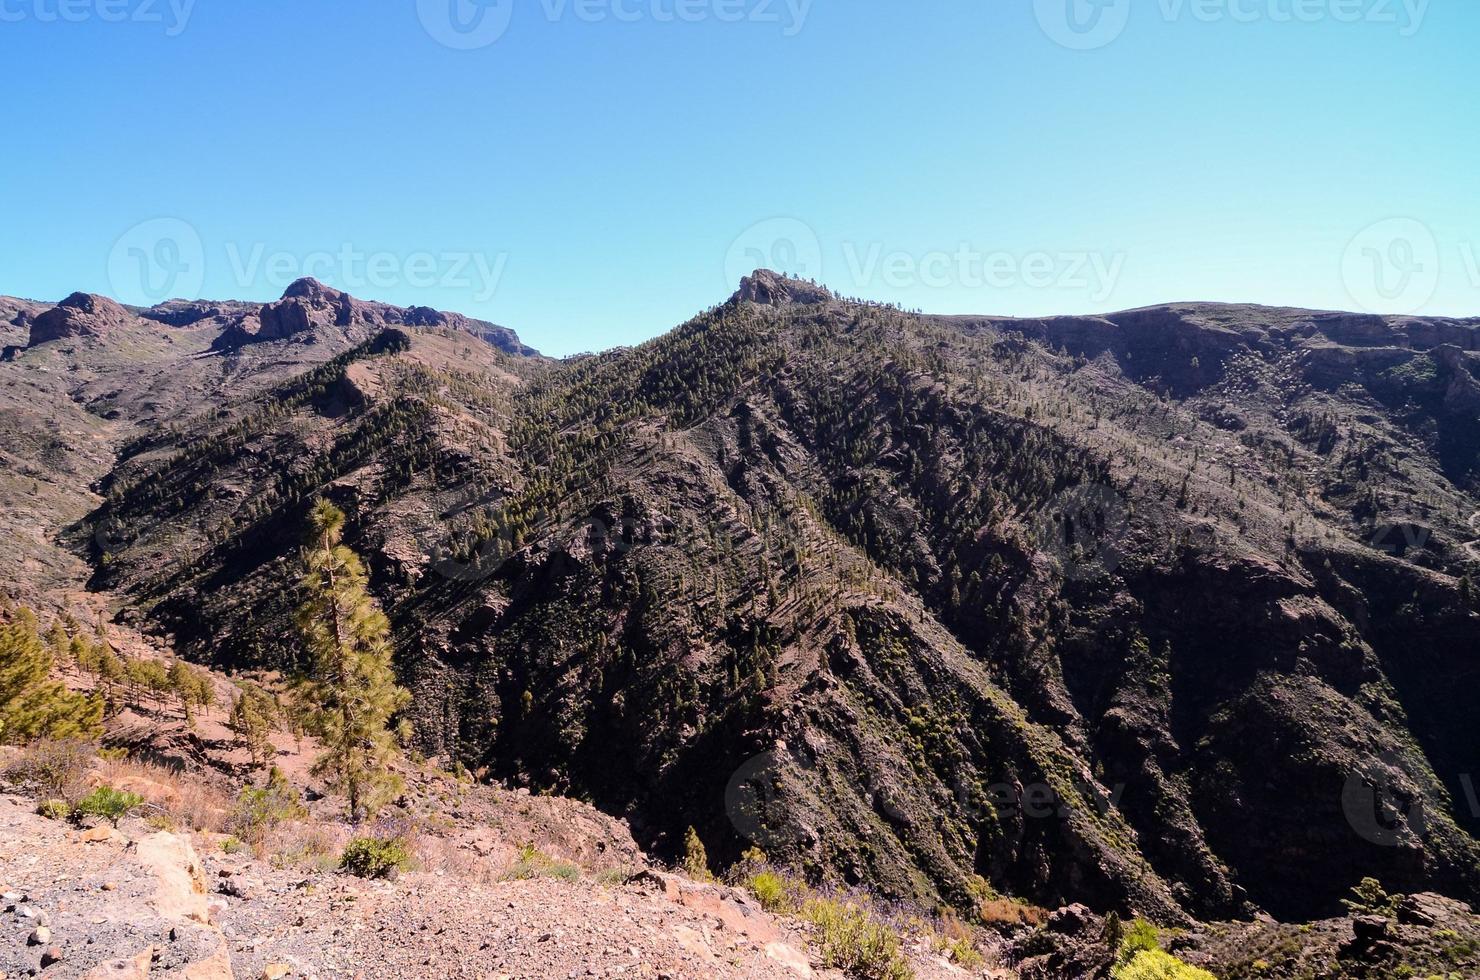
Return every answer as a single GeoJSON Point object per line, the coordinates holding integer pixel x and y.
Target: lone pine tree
{"type": "Point", "coordinates": [352, 692]}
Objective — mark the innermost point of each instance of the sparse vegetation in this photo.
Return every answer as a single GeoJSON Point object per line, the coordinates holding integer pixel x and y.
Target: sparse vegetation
{"type": "Point", "coordinates": [848, 938]}
{"type": "Point", "coordinates": [534, 863]}
{"type": "Point", "coordinates": [108, 804]}
{"type": "Point", "coordinates": [258, 811]}
{"type": "Point", "coordinates": [372, 857]}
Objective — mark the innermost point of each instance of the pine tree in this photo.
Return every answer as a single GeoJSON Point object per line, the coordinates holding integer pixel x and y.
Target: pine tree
{"type": "Point", "coordinates": [352, 692]}
{"type": "Point", "coordinates": [31, 704]}
{"type": "Point", "coordinates": [695, 858]}
{"type": "Point", "coordinates": [192, 688]}
{"type": "Point", "coordinates": [253, 715]}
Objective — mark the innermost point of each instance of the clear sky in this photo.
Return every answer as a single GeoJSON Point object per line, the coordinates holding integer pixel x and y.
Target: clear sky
{"type": "Point", "coordinates": [593, 172]}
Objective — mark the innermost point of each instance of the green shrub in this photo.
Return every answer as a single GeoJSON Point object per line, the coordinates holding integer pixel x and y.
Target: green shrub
{"type": "Point", "coordinates": [534, 863]}
{"type": "Point", "coordinates": [108, 803]}
{"type": "Point", "coordinates": [233, 845]}
{"type": "Point", "coordinates": [614, 877]}
{"type": "Point", "coordinates": [1140, 937]}
{"type": "Point", "coordinates": [849, 939]}
{"type": "Point", "coordinates": [695, 858]}
{"type": "Point", "coordinates": [372, 857]}
{"type": "Point", "coordinates": [54, 769]}
{"type": "Point", "coordinates": [1370, 898]}
{"type": "Point", "coordinates": [774, 892]}
{"type": "Point", "coordinates": [54, 809]}
{"type": "Point", "coordinates": [1153, 964]}
{"type": "Point", "coordinates": [960, 952]}
{"type": "Point", "coordinates": [258, 811]}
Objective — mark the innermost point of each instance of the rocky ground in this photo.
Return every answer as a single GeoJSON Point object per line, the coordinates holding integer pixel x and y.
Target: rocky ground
{"type": "Point", "coordinates": [503, 885]}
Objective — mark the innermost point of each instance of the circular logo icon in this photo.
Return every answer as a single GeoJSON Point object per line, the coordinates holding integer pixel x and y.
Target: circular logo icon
{"type": "Point", "coordinates": [157, 260]}
{"type": "Point", "coordinates": [111, 536]}
{"type": "Point", "coordinates": [465, 25]}
{"type": "Point", "coordinates": [1392, 266]}
{"type": "Point", "coordinates": [1083, 530]}
{"type": "Point", "coordinates": [1082, 25]}
{"type": "Point", "coordinates": [753, 799]}
{"type": "Point", "coordinates": [468, 545]}
{"type": "Point", "coordinates": [1380, 811]}
{"type": "Point", "coordinates": [783, 245]}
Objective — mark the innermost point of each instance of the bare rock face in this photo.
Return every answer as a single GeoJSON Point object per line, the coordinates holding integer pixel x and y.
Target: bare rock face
{"type": "Point", "coordinates": [306, 304]}
{"type": "Point", "coordinates": [773, 289]}
{"type": "Point", "coordinates": [310, 308]}
{"type": "Point", "coordinates": [79, 315]}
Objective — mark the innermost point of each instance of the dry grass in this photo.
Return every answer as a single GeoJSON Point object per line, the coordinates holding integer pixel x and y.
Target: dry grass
{"type": "Point", "coordinates": [53, 770]}
{"type": "Point", "coordinates": [184, 801]}
{"type": "Point", "coordinates": [1000, 912]}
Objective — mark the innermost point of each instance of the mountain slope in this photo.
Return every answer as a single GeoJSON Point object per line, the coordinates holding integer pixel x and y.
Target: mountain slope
{"type": "Point", "coordinates": [1149, 611]}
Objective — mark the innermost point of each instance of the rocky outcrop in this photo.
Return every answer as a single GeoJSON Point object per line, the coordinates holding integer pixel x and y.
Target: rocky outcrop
{"type": "Point", "coordinates": [769, 288]}
{"type": "Point", "coordinates": [111, 904]}
{"type": "Point", "coordinates": [79, 315]}
{"type": "Point", "coordinates": [311, 311]}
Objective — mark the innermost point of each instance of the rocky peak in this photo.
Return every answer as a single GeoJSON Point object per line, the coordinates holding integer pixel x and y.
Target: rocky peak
{"type": "Point", "coordinates": [306, 304]}
{"type": "Point", "coordinates": [311, 289]}
{"type": "Point", "coordinates": [310, 307]}
{"type": "Point", "coordinates": [774, 289]}
{"type": "Point", "coordinates": [81, 314]}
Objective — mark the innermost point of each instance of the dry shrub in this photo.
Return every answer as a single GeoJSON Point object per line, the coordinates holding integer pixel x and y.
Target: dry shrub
{"type": "Point", "coordinates": [455, 860]}
{"type": "Point", "coordinates": [54, 770]}
{"type": "Point", "coordinates": [1007, 912]}
{"type": "Point", "coordinates": [188, 802]}
{"type": "Point", "coordinates": [304, 844]}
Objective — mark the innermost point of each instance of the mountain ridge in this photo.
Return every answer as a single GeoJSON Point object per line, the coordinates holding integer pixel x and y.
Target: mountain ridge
{"type": "Point", "coordinates": [907, 570]}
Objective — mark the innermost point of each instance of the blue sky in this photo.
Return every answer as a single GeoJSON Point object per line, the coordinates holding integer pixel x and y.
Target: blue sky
{"type": "Point", "coordinates": [593, 172]}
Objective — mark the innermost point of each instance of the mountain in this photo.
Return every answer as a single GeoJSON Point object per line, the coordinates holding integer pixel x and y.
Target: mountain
{"type": "Point", "coordinates": [1167, 611]}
